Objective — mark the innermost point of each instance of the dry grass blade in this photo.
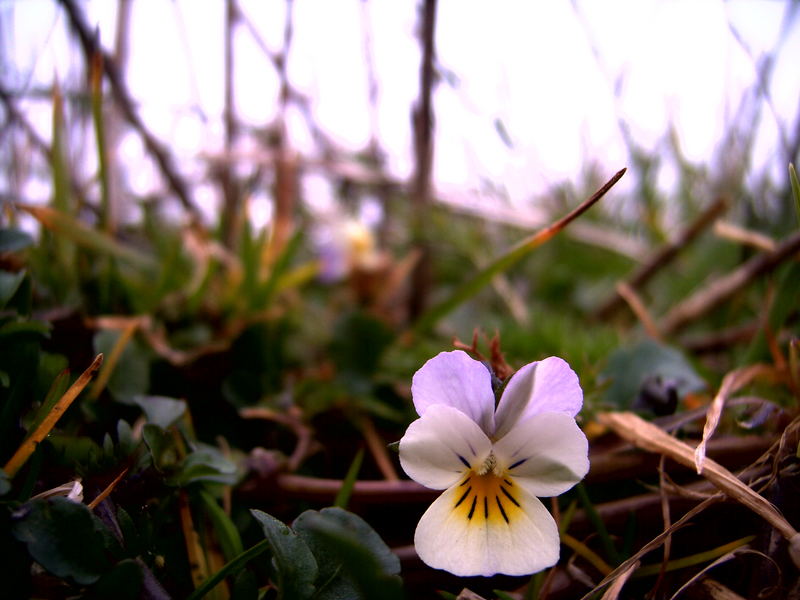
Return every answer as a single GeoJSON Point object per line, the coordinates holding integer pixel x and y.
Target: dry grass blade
{"type": "Point", "coordinates": [652, 545]}
{"type": "Point", "coordinates": [649, 437]}
{"type": "Point", "coordinates": [198, 565]}
{"type": "Point", "coordinates": [627, 293]}
{"type": "Point", "coordinates": [613, 591]}
{"type": "Point", "coordinates": [716, 590]}
{"type": "Point", "coordinates": [29, 444]}
{"type": "Point", "coordinates": [719, 290]}
{"type": "Point", "coordinates": [664, 255]}
{"type": "Point", "coordinates": [732, 382]}
{"type": "Point", "coordinates": [107, 491]}
{"type": "Point", "coordinates": [129, 328]}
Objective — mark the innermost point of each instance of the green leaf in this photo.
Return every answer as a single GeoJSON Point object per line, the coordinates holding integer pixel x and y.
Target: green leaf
{"type": "Point", "coordinates": [65, 538]}
{"type": "Point", "coordinates": [227, 534]}
{"type": "Point", "coordinates": [9, 284]}
{"type": "Point", "coordinates": [5, 483]}
{"type": "Point", "coordinates": [14, 240]}
{"type": "Point", "coordinates": [207, 464]}
{"type": "Point", "coordinates": [160, 410]}
{"type": "Point", "coordinates": [354, 562]}
{"type": "Point", "coordinates": [358, 344]}
{"type": "Point", "coordinates": [23, 328]}
{"type": "Point", "coordinates": [295, 564]}
{"type": "Point", "coordinates": [629, 369]}
{"type": "Point", "coordinates": [162, 447]}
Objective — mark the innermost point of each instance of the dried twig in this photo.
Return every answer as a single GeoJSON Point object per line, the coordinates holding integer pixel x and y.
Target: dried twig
{"type": "Point", "coordinates": [230, 217]}
{"type": "Point", "coordinates": [664, 255]}
{"type": "Point", "coordinates": [91, 47]}
{"type": "Point", "coordinates": [740, 235]}
{"type": "Point", "coordinates": [377, 448]}
{"type": "Point", "coordinates": [733, 381]}
{"type": "Point", "coordinates": [719, 290]}
{"type": "Point", "coordinates": [422, 120]}
{"type": "Point", "coordinates": [627, 293]}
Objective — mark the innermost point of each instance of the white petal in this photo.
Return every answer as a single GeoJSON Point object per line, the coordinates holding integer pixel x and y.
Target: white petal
{"type": "Point", "coordinates": [441, 445]}
{"type": "Point", "coordinates": [523, 541]}
{"type": "Point", "coordinates": [548, 385]}
{"type": "Point", "coordinates": [454, 379]}
{"type": "Point", "coordinates": [546, 454]}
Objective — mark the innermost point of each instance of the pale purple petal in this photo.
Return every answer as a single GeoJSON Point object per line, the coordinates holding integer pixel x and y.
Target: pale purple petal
{"type": "Point", "coordinates": [441, 445]}
{"type": "Point", "coordinates": [454, 379]}
{"type": "Point", "coordinates": [546, 454]}
{"type": "Point", "coordinates": [548, 385]}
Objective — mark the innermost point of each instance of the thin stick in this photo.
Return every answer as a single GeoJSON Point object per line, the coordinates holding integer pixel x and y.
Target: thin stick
{"type": "Point", "coordinates": [743, 236]}
{"type": "Point", "coordinates": [422, 121]}
{"type": "Point", "coordinates": [664, 255]}
{"type": "Point", "coordinates": [109, 488]}
{"type": "Point", "coordinates": [378, 449]}
{"type": "Point", "coordinates": [719, 290]}
{"type": "Point", "coordinates": [113, 358]}
{"type": "Point", "coordinates": [627, 293]}
{"type": "Point", "coordinates": [29, 444]}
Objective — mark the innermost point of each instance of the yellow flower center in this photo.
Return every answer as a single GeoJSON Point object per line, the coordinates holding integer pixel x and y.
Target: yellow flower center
{"type": "Point", "coordinates": [488, 495]}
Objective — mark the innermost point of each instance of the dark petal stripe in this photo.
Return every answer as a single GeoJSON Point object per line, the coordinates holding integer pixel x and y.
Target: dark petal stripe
{"type": "Point", "coordinates": [516, 464]}
{"type": "Point", "coordinates": [469, 489]}
{"type": "Point", "coordinates": [509, 496]}
{"type": "Point", "coordinates": [500, 506]}
{"type": "Point", "coordinates": [465, 482]}
{"type": "Point", "coordinates": [508, 483]}
{"type": "Point", "coordinates": [485, 508]}
{"type": "Point", "coordinates": [472, 508]}
{"type": "Point", "coordinates": [463, 460]}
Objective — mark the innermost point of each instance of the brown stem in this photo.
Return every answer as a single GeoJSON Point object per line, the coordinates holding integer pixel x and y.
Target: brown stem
{"type": "Point", "coordinates": [719, 290]}
{"type": "Point", "coordinates": [422, 121]}
{"type": "Point", "coordinates": [230, 193]}
{"type": "Point", "coordinates": [119, 88]}
{"type": "Point", "coordinates": [663, 256]}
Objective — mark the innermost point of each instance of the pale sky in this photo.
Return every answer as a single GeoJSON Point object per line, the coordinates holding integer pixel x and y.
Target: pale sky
{"type": "Point", "coordinates": [529, 65]}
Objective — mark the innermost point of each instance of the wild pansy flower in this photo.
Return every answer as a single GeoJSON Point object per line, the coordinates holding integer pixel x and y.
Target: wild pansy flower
{"type": "Point", "coordinates": [493, 462]}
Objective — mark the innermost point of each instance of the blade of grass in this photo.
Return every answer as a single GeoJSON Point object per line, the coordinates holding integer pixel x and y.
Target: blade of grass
{"type": "Point", "coordinates": [230, 568]}
{"type": "Point", "coordinates": [795, 190]}
{"type": "Point", "coordinates": [198, 567]}
{"type": "Point", "coordinates": [64, 251]}
{"type": "Point", "coordinates": [590, 555]}
{"type": "Point", "coordinates": [57, 389]}
{"type": "Point", "coordinates": [228, 535]}
{"type": "Point", "coordinates": [100, 137]}
{"type": "Point", "coordinates": [694, 559]}
{"type": "Point", "coordinates": [507, 260]}
{"type": "Point", "coordinates": [113, 358]}
{"type": "Point", "coordinates": [71, 228]}
{"type": "Point", "coordinates": [599, 526]}
{"type": "Point", "coordinates": [29, 443]}
{"type": "Point", "coordinates": [344, 493]}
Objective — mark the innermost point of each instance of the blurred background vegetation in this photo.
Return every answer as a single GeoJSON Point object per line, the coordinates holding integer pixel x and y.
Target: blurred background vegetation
{"type": "Point", "coordinates": [263, 291]}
